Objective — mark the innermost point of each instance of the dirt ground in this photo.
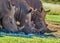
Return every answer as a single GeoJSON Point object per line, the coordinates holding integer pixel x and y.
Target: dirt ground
{"type": "Point", "coordinates": [54, 26]}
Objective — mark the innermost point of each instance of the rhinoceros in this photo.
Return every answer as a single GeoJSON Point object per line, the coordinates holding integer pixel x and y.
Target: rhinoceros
{"type": "Point", "coordinates": [38, 15]}
{"type": "Point", "coordinates": [7, 12]}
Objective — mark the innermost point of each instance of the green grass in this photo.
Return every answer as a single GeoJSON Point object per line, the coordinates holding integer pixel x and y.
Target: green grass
{"type": "Point", "coordinates": [52, 1]}
{"type": "Point", "coordinates": [8, 39]}
{"type": "Point", "coordinates": [54, 14]}
{"type": "Point", "coordinates": [53, 18]}
{"type": "Point", "coordinates": [54, 8]}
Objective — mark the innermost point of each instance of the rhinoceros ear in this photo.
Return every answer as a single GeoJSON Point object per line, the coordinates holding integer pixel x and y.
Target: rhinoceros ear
{"type": "Point", "coordinates": [10, 4]}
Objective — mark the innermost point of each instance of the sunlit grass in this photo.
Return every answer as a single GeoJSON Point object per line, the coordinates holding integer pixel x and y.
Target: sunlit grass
{"type": "Point", "coordinates": [54, 8]}
{"type": "Point", "coordinates": [8, 39]}
{"type": "Point", "coordinates": [52, 1]}
{"type": "Point", "coordinates": [54, 14]}
{"type": "Point", "coordinates": [54, 18]}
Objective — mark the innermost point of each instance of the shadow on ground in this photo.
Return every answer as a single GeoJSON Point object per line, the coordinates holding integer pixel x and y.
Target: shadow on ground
{"type": "Point", "coordinates": [51, 25]}
{"type": "Point", "coordinates": [2, 34]}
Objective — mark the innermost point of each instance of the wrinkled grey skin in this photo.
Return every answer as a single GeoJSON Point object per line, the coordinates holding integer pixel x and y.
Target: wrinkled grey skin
{"type": "Point", "coordinates": [24, 18]}
{"type": "Point", "coordinates": [40, 13]}
{"type": "Point", "coordinates": [22, 14]}
{"type": "Point", "coordinates": [37, 16]}
{"type": "Point", "coordinates": [7, 11]}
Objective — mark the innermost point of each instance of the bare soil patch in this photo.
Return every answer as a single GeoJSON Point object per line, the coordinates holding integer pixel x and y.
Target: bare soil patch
{"type": "Point", "coordinates": [54, 26]}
